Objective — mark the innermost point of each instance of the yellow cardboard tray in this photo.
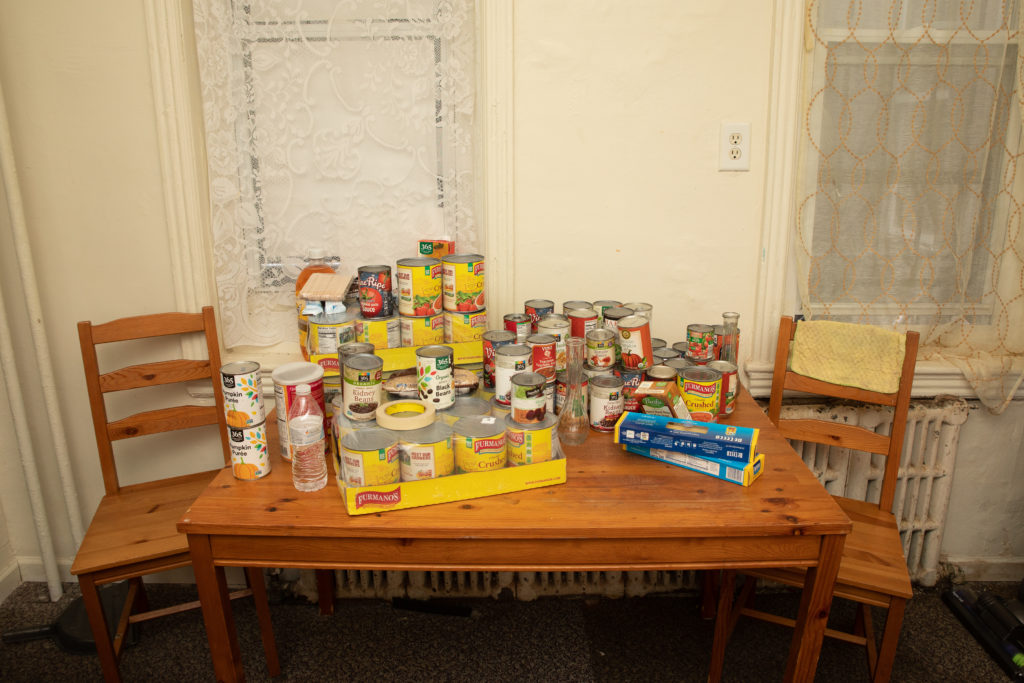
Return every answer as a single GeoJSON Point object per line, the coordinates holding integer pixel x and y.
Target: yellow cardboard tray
{"type": "Point", "coordinates": [466, 353]}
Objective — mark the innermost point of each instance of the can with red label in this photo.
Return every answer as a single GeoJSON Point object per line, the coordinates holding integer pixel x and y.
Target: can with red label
{"type": "Point", "coordinates": [606, 405]}
{"type": "Point", "coordinates": [491, 341]}
{"type": "Point", "coordinates": [520, 325]}
{"type": "Point", "coordinates": [559, 329]}
{"type": "Point", "coordinates": [630, 381]}
{"type": "Point", "coordinates": [375, 291]}
{"type": "Point", "coordinates": [581, 321]}
{"type": "Point", "coordinates": [730, 385]}
{"type": "Point", "coordinates": [544, 350]}
{"type": "Point", "coordinates": [635, 342]}
{"type": "Point", "coordinates": [700, 342]}
{"type": "Point", "coordinates": [535, 308]}
{"type": "Point", "coordinates": [702, 389]}
{"type": "Point", "coordinates": [286, 378]}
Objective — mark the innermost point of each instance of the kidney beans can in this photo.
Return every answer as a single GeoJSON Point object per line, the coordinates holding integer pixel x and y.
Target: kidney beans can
{"type": "Point", "coordinates": [249, 458]}
{"type": "Point", "coordinates": [536, 308]}
{"type": "Point", "coordinates": [243, 394]}
{"type": "Point", "coordinates": [562, 388]}
{"type": "Point", "coordinates": [601, 348]}
{"type": "Point", "coordinates": [700, 341]}
{"type": "Point", "coordinates": [361, 386]}
{"type": "Point", "coordinates": [421, 331]}
{"type": "Point", "coordinates": [383, 333]}
{"type": "Point", "coordinates": [479, 444]}
{"type": "Point", "coordinates": [519, 324]}
{"type": "Point", "coordinates": [426, 453]}
{"type": "Point", "coordinates": [529, 404]}
{"type": "Point", "coordinates": [370, 457]}
{"type": "Point", "coordinates": [581, 321]}
{"type": "Point", "coordinates": [530, 443]}
{"type": "Point", "coordinates": [559, 329]}
{"type": "Point", "coordinates": [463, 327]}
{"type": "Point", "coordinates": [463, 283]}
{"type": "Point", "coordinates": [435, 375]}
{"type": "Point", "coordinates": [730, 385]}
{"type": "Point", "coordinates": [419, 286]}
{"type": "Point", "coordinates": [508, 360]}
{"type": "Point", "coordinates": [286, 378]}
{"type": "Point", "coordinates": [492, 340]}
{"type": "Point", "coordinates": [701, 389]}
{"type": "Point", "coordinates": [375, 298]}
{"type": "Point", "coordinates": [635, 342]}
{"type": "Point", "coordinates": [544, 354]}
{"type": "Point", "coordinates": [606, 403]}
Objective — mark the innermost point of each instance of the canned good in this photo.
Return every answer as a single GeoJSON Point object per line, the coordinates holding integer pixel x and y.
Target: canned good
{"type": "Point", "coordinates": [553, 316]}
{"type": "Point", "coordinates": [611, 319]}
{"type": "Point", "coordinates": [530, 443]}
{"type": "Point", "coordinates": [664, 353]}
{"type": "Point", "coordinates": [520, 324]}
{"type": "Point", "coordinates": [658, 343]}
{"type": "Point", "coordinates": [575, 305]}
{"type": "Point", "coordinates": [243, 394]}
{"type": "Point", "coordinates": [701, 389]}
{"type": "Point", "coordinates": [544, 354]}
{"type": "Point", "coordinates": [601, 348]}
{"type": "Point", "coordinates": [419, 286]}
{"type": "Point", "coordinates": [698, 361]}
{"type": "Point", "coordinates": [529, 404]}
{"type": "Point", "coordinates": [499, 410]}
{"type": "Point", "coordinates": [491, 341]}
{"type": "Point", "coordinates": [562, 388]}
{"type": "Point", "coordinates": [426, 453]}
{"type": "Point", "coordinates": [716, 352]}
{"type": "Point", "coordinates": [464, 406]}
{"type": "Point", "coordinates": [328, 332]}
{"type": "Point", "coordinates": [351, 349]}
{"type": "Point", "coordinates": [421, 331]}
{"type": "Point", "coordinates": [581, 321]}
{"type": "Point", "coordinates": [508, 360]}
{"type": "Point", "coordinates": [559, 329]}
{"type": "Point", "coordinates": [249, 458]}
{"type": "Point", "coordinates": [700, 341]}
{"type": "Point", "coordinates": [682, 347]}
{"type": "Point", "coordinates": [678, 364]}
{"type": "Point", "coordinates": [479, 444]}
{"type": "Point", "coordinates": [589, 371]}
{"type": "Point", "coordinates": [375, 291]}
{"type": "Point", "coordinates": [643, 309]}
{"type": "Point", "coordinates": [383, 333]}
{"type": "Point", "coordinates": [549, 396]}
{"type": "Point", "coordinates": [286, 378]}
{"type": "Point", "coordinates": [435, 375]}
{"type": "Point", "coordinates": [730, 385]}
{"type": "Point", "coordinates": [631, 379]}
{"type": "Point", "coordinates": [463, 283]}
{"type": "Point", "coordinates": [361, 389]}
{"type": "Point", "coordinates": [369, 457]}
{"type": "Point", "coordinates": [535, 308]}
{"type": "Point", "coordinates": [441, 247]}
{"type": "Point", "coordinates": [661, 373]}
{"type": "Point", "coordinates": [635, 342]}
{"type": "Point", "coordinates": [462, 327]}
{"type": "Point", "coordinates": [332, 390]}
{"type": "Point", "coordinates": [605, 403]}
{"type": "Point", "coordinates": [602, 305]}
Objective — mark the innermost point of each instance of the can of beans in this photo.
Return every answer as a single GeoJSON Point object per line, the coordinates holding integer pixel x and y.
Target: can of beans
{"type": "Point", "coordinates": [544, 351]}
{"type": "Point", "coordinates": [701, 389]}
{"type": "Point", "coordinates": [249, 459]}
{"type": "Point", "coordinates": [644, 309]}
{"type": "Point", "coordinates": [361, 386]}
{"type": "Point", "coordinates": [519, 324]}
{"type": "Point", "coordinates": [435, 375]}
{"type": "Point", "coordinates": [463, 327]}
{"type": "Point", "coordinates": [419, 286]}
{"type": "Point", "coordinates": [529, 404]}
{"type": "Point", "coordinates": [631, 379]}
{"type": "Point", "coordinates": [243, 394]}
{"type": "Point", "coordinates": [530, 443]}
{"type": "Point", "coordinates": [508, 360]}
{"type": "Point", "coordinates": [602, 305]}
{"type": "Point", "coordinates": [479, 444]}
{"type": "Point", "coordinates": [700, 341]}
{"type": "Point", "coordinates": [581, 321]}
{"type": "Point", "coordinates": [492, 340]}
{"type": "Point", "coordinates": [605, 403]}
{"type": "Point", "coordinates": [375, 291]}
{"type": "Point", "coordinates": [426, 453]}
{"type": "Point", "coordinates": [664, 353]}
{"type": "Point", "coordinates": [562, 388]}
{"type": "Point", "coordinates": [575, 305]}
{"type": "Point", "coordinates": [370, 457]}
{"type": "Point", "coordinates": [635, 342]}
{"type": "Point", "coordinates": [463, 282]}
{"type": "Point", "coordinates": [421, 331]}
{"type": "Point", "coordinates": [601, 348]}
{"type": "Point", "coordinates": [535, 308]}
{"type": "Point", "coordinates": [730, 385]}
{"type": "Point", "coordinates": [383, 333]}
{"type": "Point", "coordinates": [286, 378]}
{"type": "Point", "coordinates": [559, 329]}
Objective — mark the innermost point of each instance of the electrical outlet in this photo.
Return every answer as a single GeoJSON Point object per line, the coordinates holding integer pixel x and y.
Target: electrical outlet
{"type": "Point", "coordinates": [734, 147]}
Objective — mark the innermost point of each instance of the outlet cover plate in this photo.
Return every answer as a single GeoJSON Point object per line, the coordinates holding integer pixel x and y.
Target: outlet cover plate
{"type": "Point", "coordinates": [734, 147]}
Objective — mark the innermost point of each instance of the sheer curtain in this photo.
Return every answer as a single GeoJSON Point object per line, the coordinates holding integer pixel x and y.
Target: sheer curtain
{"type": "Point", "coordinates": [343, 124]}
{"type": "Point", "coordinates": [909, 213]}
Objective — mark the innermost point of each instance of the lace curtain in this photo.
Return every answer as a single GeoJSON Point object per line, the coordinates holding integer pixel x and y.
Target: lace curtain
{"type": "Point", "coordinates": [911, 196]}
{"type": "Point", "coordinates": [341, 124]}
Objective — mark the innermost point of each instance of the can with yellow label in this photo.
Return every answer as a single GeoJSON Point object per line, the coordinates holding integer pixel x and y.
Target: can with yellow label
{"type": "Point", "coordinates": [369, 457]}
{"type": "Point", "coordinates": [463, 327]}
{"type": "Point", "coordinates": [479, 444]}
{"type": "Point", "coordinates": [426, 453]}
{"type": "Point", "coordinates": [530, 443]}
{"type": "Point", "coordinates": [421, 331]}
{"type": "Point", "coordinates": [383, 333]}
{"type": "Point", "coordinates": [463, 282]}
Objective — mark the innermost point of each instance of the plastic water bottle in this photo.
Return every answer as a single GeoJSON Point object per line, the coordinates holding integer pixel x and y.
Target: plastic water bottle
{"type": "Point", "coordinates": [306, 431]}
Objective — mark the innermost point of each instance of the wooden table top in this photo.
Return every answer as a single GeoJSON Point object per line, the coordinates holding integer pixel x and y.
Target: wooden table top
{"type": "Point", "coordinates": [610, 494]}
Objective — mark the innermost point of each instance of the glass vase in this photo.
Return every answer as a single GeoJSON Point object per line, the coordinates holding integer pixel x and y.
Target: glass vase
{"type": "Point", "coordinates": [573, 421]}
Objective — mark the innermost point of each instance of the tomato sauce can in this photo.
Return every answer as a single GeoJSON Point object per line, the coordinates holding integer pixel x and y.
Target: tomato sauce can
{"type": "Point", "coordinates": [601, 348]}
{"type": "Point", "coordinates": [611, 319]}
{"type": "Point", "coordinates": [606, 405]}
{"type": "Point", "coordinates": [562, 388]}
{"type": "Point", "coordinates": [581, 321]}
{"type": "Point", "coordinates": [635, 342]}
{"type": "Point", "coordinates": [559, 329]}
{"type": "Point", "coordinates": [383, 333]}
{"type": "Point", "coordinates": [426, 453]}
{"type": "Point", "coordinates": [419, 286]}
{"type": "Point", "coordinates": [530, 443]}
{"type": "Point", "coordinates": [543, 352]}
{"type": "Point", "coordinates": [463, 327]}
{"type": "Point", "coordinates": [536, 308]}
{"type": "Point", "coordinates": [249, 457]}
{"type": "Point", "coordinates": [700, 341]}
{"type": "Point", "coordinates": [243, 394]}
{"type": "Point", "coordinates": [361, 386]}
{"type": "Point", "coordinates": [508, 360]}
{"type": "Point", "coordinates": [421, 331]}
{"type": "Point", "coordinates": [370, 457]}
{"type": "Point", "coordinates": [702, 389]}
{"type": "Point", "coordinates": [529, 403]}
{"type": "Point", "coordinates": [631, 379]}
{"type": "Point", "coordinates": [730, 385]}
{"type": "Point", "coordinates": [286, 378]}
{"type": "Point", "coordinates": [375, 299]}
{"type": "Point", "coordinates": [492, 340]}
{"type": "Point", "coordinates": [463, 282]}
{"type": "Point", "coordinates": [519, 324]}
{"type": "Point", "coordinates": [479, 444]}
{"type": "Point", "coordinates": [435, 375]}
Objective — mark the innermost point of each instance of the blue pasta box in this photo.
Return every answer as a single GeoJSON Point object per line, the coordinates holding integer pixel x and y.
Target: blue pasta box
{"type": "Point", "coordinates": [730, 443]}
{"type": "Point", "coordinates": [743, 474]}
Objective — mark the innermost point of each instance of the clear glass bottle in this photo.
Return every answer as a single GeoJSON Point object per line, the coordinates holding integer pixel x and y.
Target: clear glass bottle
{"type": "Point", "coordinates": [573, 421]}
{"type": "Point", "coordinates": [730, 332]}
{"type": "Point", "coordinates": [308, 442]}
{"type": "Point", "coordinates": [316, 262]}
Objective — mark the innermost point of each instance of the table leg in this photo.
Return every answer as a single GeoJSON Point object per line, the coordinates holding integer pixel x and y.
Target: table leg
{"type": "Point", "coordinates": [815, 603]}
{"type": "Point", "coordinates": [725, 608]}
{"type": "Point", "coordinates": [325, 590]}
{"type": "Point", "coordinates": [216, 605]}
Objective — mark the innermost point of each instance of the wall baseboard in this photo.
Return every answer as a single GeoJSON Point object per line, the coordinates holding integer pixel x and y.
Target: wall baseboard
{"type": "Point", "coordinates": [985, 568]}
{"type": "Point", "coordinates": [10, 578]}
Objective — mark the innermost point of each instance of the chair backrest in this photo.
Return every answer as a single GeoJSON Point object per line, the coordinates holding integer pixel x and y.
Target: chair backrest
{"type": "Point", "coordinates": [165, 419]}
{"type": "Point", "coordinates": [845, 435]}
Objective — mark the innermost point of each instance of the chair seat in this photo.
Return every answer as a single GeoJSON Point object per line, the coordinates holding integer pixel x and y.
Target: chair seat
{"type": "Point", "coordinates": [139, 525]}
{"type": "Point", "coordinates": [873, 568]}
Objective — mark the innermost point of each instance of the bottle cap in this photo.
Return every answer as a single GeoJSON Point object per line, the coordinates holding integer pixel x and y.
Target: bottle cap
{"type": "Point", "coordinates": [315, 252]}
{"type": "Point", "coordinates": [303, 390]}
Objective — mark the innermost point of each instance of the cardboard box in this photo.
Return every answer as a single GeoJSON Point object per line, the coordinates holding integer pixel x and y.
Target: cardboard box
{"type": "Point", "coordinates": [661, 398]}
{"type": "Point", "coordinates": [436, 248]}
{"type": "Point", "coordinates": [737, 473]}
{"type": "Point", "coordinates": [403, 358]}
{"type": "Point", "coordinates": [702, 439]}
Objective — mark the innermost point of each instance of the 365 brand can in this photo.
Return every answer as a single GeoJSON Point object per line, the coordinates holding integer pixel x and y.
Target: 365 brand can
{"type": "Point", "coordinates": [701, 388]}
{"type": "Point", "coordinates": [419, 286]}
{"type": "Point", "coordinates": [508, 360]}
{"type": "Point", "coordinates": [544, 351]}
{"type": "Point", "coordinates": [530, 443]}
{"type": "Point", "coordinates": [463, 282]}
{"type": "Point", "coordinates": [601, 348]}
{"type": "Point", "coordinates": [559, 329]}
{"type": "Point", "coordinates": [369, 457]}
{"type": "Point", "coordinates": [605, 403]}
{"type": "Point", "coordinates": [463, 327]}
{"type": "Point", "coordinates": [361, 378]}
{"type": "Point", "coordinates": [529, 404]}
{"type": "Point", "coordinates": [635, 342]}
{"type": "Point", "coordinates": [479, 444]}
{"type": "Point", "coordinates": [730, 385]}
{"type": "Point", "coordinates": [535, 308]}
{"type": "Point", "coordinates": [421, 331]}
{"type": "Point", "coordinates": [249, 459]}
{"type": "Point", "coordinates": [383, 333]}
{"type": "Point", "coordinates": [286, 378]}
{"type": "Point", "coordinates": [492, 340]}
{"type": "Point", "coordinates": [700, 341]}
{"type": "Point", "coordinates": [519, 324]}
{"type": "Point", "coordinates": [426, 453]}
{"type": "Point", "coordinates": [435, 375]}
{"type": "Point", "coordinates": [375, 291]}
{"type": "Point", "coordinates": [581, 321]}
{"type": "Point", "coordinates": [243, 394]}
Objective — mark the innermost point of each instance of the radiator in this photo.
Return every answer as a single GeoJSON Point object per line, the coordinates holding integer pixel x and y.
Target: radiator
{"type": "Point", "coordinates": [922, 498]}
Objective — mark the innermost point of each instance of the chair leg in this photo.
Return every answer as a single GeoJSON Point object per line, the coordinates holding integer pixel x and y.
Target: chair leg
{"type": "Point", "coordinates": [890, 638]}
{"type": "Point", "coordinates": [254, 577]}
{"type": "Point", "coordinates": [725, 590]}
{"type": "Point", "coordinates": [98, 624]}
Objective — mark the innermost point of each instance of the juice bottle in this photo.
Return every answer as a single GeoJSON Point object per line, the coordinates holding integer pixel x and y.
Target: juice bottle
{"type": "Point", "coordinates": [316, 262]}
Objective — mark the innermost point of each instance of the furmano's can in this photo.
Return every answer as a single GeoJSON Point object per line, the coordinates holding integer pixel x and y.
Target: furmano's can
{"type": "Point", "coordinates": [421, 331]}
{"type": "Point", "coordinates": [463, 282]}
{"type": "Point", "coordinates": [544, 351]}
{"type": "Point", "coordinates": [635, 342]}
{"type": "Point", "coordinates": [286, 378]}
{"type": "Point", "coordinates": [529, 404]}
{"type": "Point", "coordinates": [605, 403]}
{"type": "Point", "coordinates": [492, 340]}
{"type": "Point", "coordinates": [701, 389]}
{"type": "Point", "coordinates": [530, 443]}
{"type": "Point", "coordinates": [361, 392]}
{"type": "Point", "coordinates": [383, 333]}
{"type": "Point", "coordinates": [375, 291]}
{"type": "Point", "coordinates": [700, 341]}
{"type": "Point", "coordinates": [730, 385]}
{"type": "Point", "coordinates": [435, 375]}
{"type": "Point", "coordinates": [535, 308]}
{"type": "Point", "coordinates": [419, 286]}
{"type": "Point", "coordinates": [249, 459]}
{"type": "Point", "coordinates": [328, 332]}
{"type": "Point", "coordinates": [243, 394]}
{"type": "Point", "coordinates": [508, 360]}
{"type": "Point", "coordinates": [601, 348]}
{"type": "Point", "coordinates": [581, 321]}
{"type": "Point", "coordinates": [369, 457]}
{"type": "Point", "coordinates": [519, 324]}
{"type": "Point", "coordinates": [463, 327]}
{"type": "Point", "coordinates": [426, 453]}
{"type": "Point", "coordinates": [479, 444]}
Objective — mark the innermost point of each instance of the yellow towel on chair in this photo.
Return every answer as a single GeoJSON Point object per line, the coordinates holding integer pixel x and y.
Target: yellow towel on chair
{"type": "Point", "coordinates": [852, 355]}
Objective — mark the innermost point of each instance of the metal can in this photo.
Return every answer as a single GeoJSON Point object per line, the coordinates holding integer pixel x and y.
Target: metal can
{"type": "Point", "coordinates": [730, 385]}
{"type": "Point", "coordinates": [286, 378]}
{"type": "Point", "coordinates": [581, 321]}
{"type": "Point", "coordinates": [602, 305]}
{"type": "Point", "coordinates": [635, 342]}
{"type": "Point", "coordinates": [508, 360]}
{"type": "Point", "coordinates": [658, 343]}
{"type": "Point", "coordinates": [492, 340]}
{"type": "Point", "coordinates": [611, 319]}
{"type": "Point", "coordinates": [243, 394]}
{"type": "Point", "coordinates": [701, 389]}
{"type": "Point", "coordinates": [463, 327]}
{"type": "Point", "coordinates": [529, 403]}
{"type": "Point", "coordinates": [605, 403]}
{"type": "Point", "coordinates": [520, 324]}
{"type": "Point", "coordinates": [664, 353]}
{"type": "Point", "coordinates": [249, 457]}
{"type": "Point", "coordinates": [661, 373]}
{"type": "Point", "coordinates": [419, 286]}
{"type": "Point", "coordinates": [327, 332]}
{"type": "Point", "coordinates": [383, 333]}
{"type": "Point", "coordinates": [463, 282]}
{"type": "Point", "coordinates": [351, 349]}
{"type": "Point", "coordinates": [361, 388]}
{"type": "Point", "coordinates": [421, 331]}
{"type": "Point", "coordinates": [375, 291]}
{"type": "Point", "coordinates": [544, 354]}
{"type": "Point", "coordinates": [631, 379]}
{"type": "Point", "coordinates": [644, 309]}
{"type": "Point", "coordinates": [500, 410]}
{"type": "Point", "coordinates": [562, 388]}
{"type": "Point", "coordinates": [530, 443]}
{"type": "Point", "coordinates": [678, 364]}
{"type": "Point", "coordinates": [682, 347]}
{"type": "Point", "coordinates": [590, 371]}
{"type": "Point", "coordinates": [426, 453]}
{"type": "Point", "coordinates": [601, 348]}
{"type": "Point", "coordinates": [716, 353]}
{"type": "Point", "coordinates": [464, 406]}
{"type": "Point", "coordinates": [698, 361]}
{"type": "Point", "coordinates": [553, 316]}
{"type": "Point", "coordinates": [369, 457]}
{"type": "Point", "coordinates": [435, 375]}
{"type": "Point", "coordinates": [535, 308]}
{"type": "Point", "coordinates": [479, 444]}
{"type": "Point", "coordinates": [575, 305]}
{"type": "Point", "coordinates": [700, 341]}
{"type": "Point", "coordinates": [559, 329]}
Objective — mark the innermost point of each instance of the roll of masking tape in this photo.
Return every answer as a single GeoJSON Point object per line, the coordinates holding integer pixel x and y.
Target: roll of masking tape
{"type": "Point", "coordinates": [405, 414]}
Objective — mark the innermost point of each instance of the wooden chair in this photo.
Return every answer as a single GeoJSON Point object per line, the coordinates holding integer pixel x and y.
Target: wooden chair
{"type": "Point", "coordinates": [134, 530]}
{"type": "Point", "coordinates": [873, 571]}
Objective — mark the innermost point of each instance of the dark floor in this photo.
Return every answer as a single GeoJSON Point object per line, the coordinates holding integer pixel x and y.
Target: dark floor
{"type": "Point", "coordinates": [653, 638]}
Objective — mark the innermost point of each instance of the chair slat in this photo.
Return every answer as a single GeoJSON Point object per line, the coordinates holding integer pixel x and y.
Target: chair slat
{"type": "Point", "coordinates": [163, 420]}
{"type": "Point", "coordinates": [141, 326]}
{"type": "Point", "coordinates": [154, 374]}
{"type": "Point", "coordinates": [810, 385]}
{"type": "Point", "coordinates": [835, 434]}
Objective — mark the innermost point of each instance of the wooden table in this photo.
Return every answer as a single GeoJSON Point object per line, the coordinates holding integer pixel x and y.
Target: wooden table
{"type": "Point", "coordinates": [617, 511]}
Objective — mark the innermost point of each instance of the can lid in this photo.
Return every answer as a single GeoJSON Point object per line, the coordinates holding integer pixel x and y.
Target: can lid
{"type": "Point", "coordinates": [438, 431]}
{"type": "Point", "coordinates": [540, 303]}
{"type": "Point", "coordinates": [479, 426]}
{"type": "Point", "coordinates": [241, 367]}
{"type": "Point", "coordinates": [616, 312]}
{"type": "Point", "coordinates": [417, 261]}
{"type": "Point", "coordinates": [369, 439]}
{"type": "Point", "coordinates": [294, 373]}
{"type": "Point", "coordinates": [582, 313]}
{"type": "Point", "coordinates": [462, 258]}
{"type": "Point", "coordinates": [375, 269]}
{"type": "Point", "coordinates": [499, 335]}
{"type": "Point", "coordinates": [466, 406]}
{"type": "Point", "coordinates": [529, 379]}
{"type": "Point", "coordinates": [606, 382]}
{"type": "Point", "coordinates": [435, 351]}
{"type": "Point", "coordinates": [513, 350]}
{"type": "Point", "coordinates": [569, 305]}
{"type": "Point", "coordinates": [661, 372]}
{"type": "Point", "coordinates": [600, 334]}
{"type": "Point", "coordinates": [658, 343]}
{"type": "Point", "coordinates": [364, 361]}
{"type": "Point", "coordinates": [701, 373]}
{"type": "Point", "coordinates": [722, 366]}
{"type": "Point", "coordinates": [631, 321]}
{"type": "Point", "coordinates": [541, 339]}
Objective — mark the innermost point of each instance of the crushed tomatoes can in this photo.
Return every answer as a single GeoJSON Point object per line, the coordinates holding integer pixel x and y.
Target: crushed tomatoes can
{"type": "Point", "coordinates": [463, 283]}
{"type": "Point", "coordinates": [421, 331]}
{"type": "Point", "coordinates": [701, 387]}
{"type": "Point", "coordinates": [700, 342]}
{"type": "Point", "coordinates": [479, 444]}
{"type": "Point", "coordinates": [463, 327]}
{"type": "Point", "coordinates": [530, 443]}
{"type": "Point", "coordinates": [370, 457]}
